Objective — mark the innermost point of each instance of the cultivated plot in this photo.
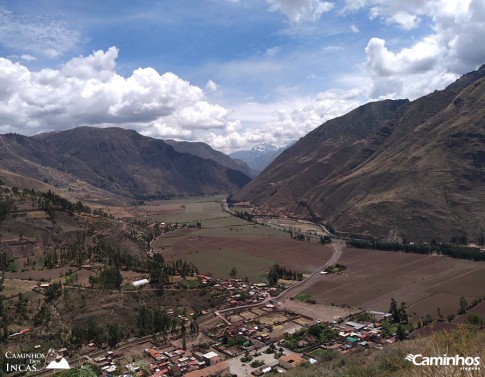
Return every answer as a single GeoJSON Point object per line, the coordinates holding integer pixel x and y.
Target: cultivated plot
{"type": "Point", "coordinates": [424, 282]}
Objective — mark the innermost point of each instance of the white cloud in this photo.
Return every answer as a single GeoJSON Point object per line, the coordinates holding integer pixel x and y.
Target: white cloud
{"type": "Point", "coordinates": [332, 48]}
{"type": "Point", "coordinates": [25, 57]}
{"type": "Point", "coordinates": [453, 47]}
{"type": "Point", "coordinates": [89, 91]}
{"type": "Point", "coordinates": [405, 20]}
{"type": "Point", "coordinates": [273, 51]}
{"type": "Point", "coordinates": [354, 29]}
{"type": "Point", "coordinates": [28, 58]}
{"type": "Point", "coordinates": [42, 36]}
{"type": "Point", "coordinates": [281, 123]}
{"type": "Point", "coordinates": [212, 86]}
{"type": "Point", "coordinates": [301, 10]}
{"type": "Point", "coordinates": [421, 57]}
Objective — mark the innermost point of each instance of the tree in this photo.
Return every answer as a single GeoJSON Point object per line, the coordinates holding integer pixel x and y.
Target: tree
{"type": "Point", "coordinates": [115, 334]}
{"type": "Point", "coordinates": [474, 319]}
{"type": "Point", "coordinates": [53, 292]}
{"type": "Point", "coordinates": [145, 320]}
{"type": "Point", "coordinates": [233, 272]}
{"type": "Point", "coordinates": [273, 275]}
{"type": "Point", "coordinates": [403, 316]}
{"type": "Point", "coordinates": [43, 316]}
{"type": "Point", "coordinates": [108, 278]}
{"type": "Point", "coordinates": [438, 313]}
{"type": "Point", "coordinates": [463, 306]}
{"type": "Point", "coordinates": [401, 332]}
{"type": "Point", "coordinates": [394, 311]}
{"type": "Point", "coordinates": [95, 333]}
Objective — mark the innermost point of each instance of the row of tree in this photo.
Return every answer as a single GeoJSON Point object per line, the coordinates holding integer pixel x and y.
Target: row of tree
{"type": "Point", "coordinates": [244, 215]}
{"type": "Point", "coordinates": [450, 250]}
{"type": "Point", "coordinates": [156, 320]}
{"type": "Point", "coordinates": [277, 272]}
{"type": "Point", "coordinates": [77, 253]}
{"type": "Point", "coordinates": [5, 207]}
{"type": "Point", "coordinates": [92, 332]}
{"type": "Point", "coordinates": [109, 277]}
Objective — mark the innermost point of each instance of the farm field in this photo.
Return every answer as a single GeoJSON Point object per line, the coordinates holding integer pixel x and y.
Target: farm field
{"type": "Point", "coordinates": [180, 210]}
{"type": "Point", "coordinates": [12, 287]}
{"type": "Point", "coordinates": [220, 262]}
{"type": "Point", "coordinates": [424, 282]}
{"type": "Point", "coordinates": [225, 241]}
{"type": "Point", "coordinates": [251, 251]}
{"type": "Point", "coordinates": [373, 277]}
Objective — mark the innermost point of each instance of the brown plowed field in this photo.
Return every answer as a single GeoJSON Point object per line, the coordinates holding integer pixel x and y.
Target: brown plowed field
{"type": "Point", "coordinates": [424, 282]}
{"type": "Point", "coordinates": [248, 250]}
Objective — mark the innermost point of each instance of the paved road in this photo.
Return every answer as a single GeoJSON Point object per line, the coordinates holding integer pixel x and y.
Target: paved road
{"type": "Point", "coordinates": [304, 284]}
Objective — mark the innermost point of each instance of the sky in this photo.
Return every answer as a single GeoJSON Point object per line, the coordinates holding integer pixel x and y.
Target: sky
{"type": "Point", "coordinates": [230, 73]}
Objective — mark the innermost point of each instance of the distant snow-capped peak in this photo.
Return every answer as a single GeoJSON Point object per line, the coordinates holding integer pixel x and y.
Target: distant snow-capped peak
{"type": "Point", "coordinates": [264, 147]}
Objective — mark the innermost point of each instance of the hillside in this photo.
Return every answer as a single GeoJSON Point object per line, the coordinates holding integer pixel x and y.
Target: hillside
{"type": "Point", "coordinates": [390, 169]}
{"type": "Point", "coordinates": [205, 151]}
{"type": "Point", "coordinates": [116, 160]}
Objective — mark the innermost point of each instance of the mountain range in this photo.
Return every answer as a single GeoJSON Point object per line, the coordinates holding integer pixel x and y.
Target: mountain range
{"type": "Point", "coordinates": [258, 157]}
{"type": "Point", "coordinates": [121, 162]}
{"type": "Point", "coordinates": [205, 151]}
{"type": "Point", "coordinates": [392, 169]}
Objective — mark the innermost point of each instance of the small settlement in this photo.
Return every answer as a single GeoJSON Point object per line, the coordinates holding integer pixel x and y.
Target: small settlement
{"type": "Point", "coordinates": [246, 336]}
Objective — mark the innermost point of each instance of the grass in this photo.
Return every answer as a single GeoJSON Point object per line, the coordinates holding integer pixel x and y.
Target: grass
{"type": "Point", "coordinates": [197, 209]}
{"type": "Point", "coordinates": [303, 297]}
{"type": "Point", "coordinates": [220, 262]}
{"type": "Point", "coordinates": [324, 355]}
{"type": "Point", "coordinates": [390, 362]}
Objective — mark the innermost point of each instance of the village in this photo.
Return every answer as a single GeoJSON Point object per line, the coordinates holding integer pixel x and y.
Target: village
{"type": "Point", "coordinates": [247, 335]}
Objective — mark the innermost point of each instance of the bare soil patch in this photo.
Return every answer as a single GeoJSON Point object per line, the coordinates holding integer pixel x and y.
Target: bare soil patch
{"type": "Point", "coordinates": [317, 312]}
{"type": "Point", "coordinates": [55, 274]}
{"type": "Point", "coordinates": [424, 282]}
{"type": "Point", "coordinates": [13, 287]}
{"type": "Point", "coordinates": [296, 255]}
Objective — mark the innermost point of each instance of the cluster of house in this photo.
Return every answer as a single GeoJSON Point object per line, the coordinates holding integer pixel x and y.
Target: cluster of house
{"type": "Point", "coordinates": [354, 336]}
{"type": "Point", "coordinates": [171, 361]}
{"type": "Point", "coordinates": [174, 362]}
{"type": "Point", "coordinates": [261, 212]}
{"type": "Point", "coordinates": [283, 364]}
{"type": "Point", "coordinates": [107, 363]}
{"type": "Point", "coordinates": [240, 292]}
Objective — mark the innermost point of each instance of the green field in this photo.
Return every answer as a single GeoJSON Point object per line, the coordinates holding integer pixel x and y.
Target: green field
{"type": "Point", "coordinates": [303, 297]}
{"type": "Point", "coordinates": [199, 209]}
{"type": "Point", "coordinates": [220, 262]}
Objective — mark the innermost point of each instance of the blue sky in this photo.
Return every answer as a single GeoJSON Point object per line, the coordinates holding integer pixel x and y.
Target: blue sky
{"type": "Point", "coordinates": [232, 73]}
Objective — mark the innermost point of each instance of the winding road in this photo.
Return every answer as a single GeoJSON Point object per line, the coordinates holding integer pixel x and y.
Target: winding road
{"type": "Point", "coordinates": [305, 284]}
{"type": "Point", "coordinates": [290, 292]}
